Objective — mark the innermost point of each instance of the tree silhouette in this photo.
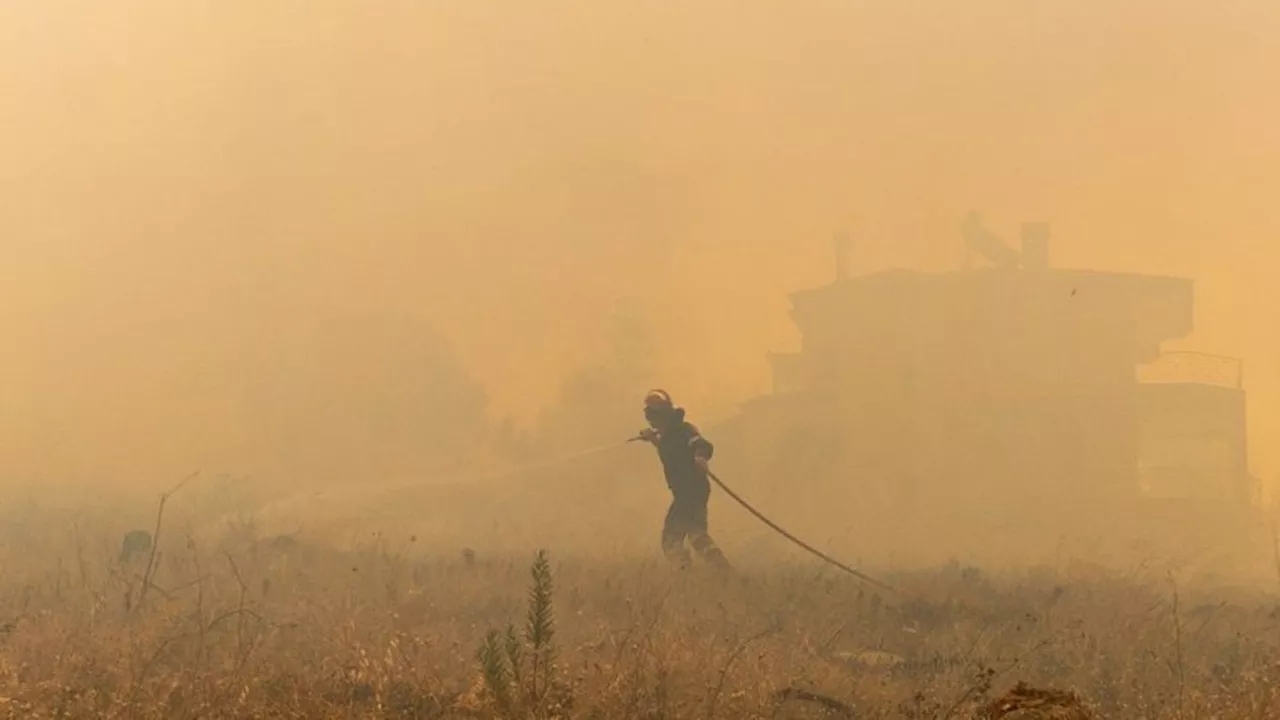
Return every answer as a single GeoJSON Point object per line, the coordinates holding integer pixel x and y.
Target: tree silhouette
{"type": "Point", "coordinates": [600, 403]}
{"type": "Point", "coordinates": [359, 392]}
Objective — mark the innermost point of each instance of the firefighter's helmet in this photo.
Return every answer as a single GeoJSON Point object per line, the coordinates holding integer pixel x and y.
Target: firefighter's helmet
{"type": "Point", "coordinates": [658, 399]}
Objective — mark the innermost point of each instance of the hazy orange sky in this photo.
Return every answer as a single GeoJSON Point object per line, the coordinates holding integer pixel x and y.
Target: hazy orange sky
{"type": "Point", "coordinates": [179, 177]}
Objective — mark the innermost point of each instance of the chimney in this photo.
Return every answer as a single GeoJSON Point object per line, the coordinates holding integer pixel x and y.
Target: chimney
{"type": "Point", "coordinates": [1035, 245]}
{"type": "Point", "coordinates": [842, 257]}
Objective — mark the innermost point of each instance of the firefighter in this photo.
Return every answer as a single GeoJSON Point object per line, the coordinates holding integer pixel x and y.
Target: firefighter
{"type": "Point", "coordinates": [684, 454]}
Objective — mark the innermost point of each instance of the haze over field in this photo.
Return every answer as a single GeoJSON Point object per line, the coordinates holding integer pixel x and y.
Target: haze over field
{"type": "Point", "coordinates": [235, 233]}
{"type": "Point", "coordinates": [394, 276]}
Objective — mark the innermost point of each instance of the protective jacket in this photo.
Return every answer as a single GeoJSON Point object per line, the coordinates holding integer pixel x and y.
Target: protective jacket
{"type": "Point", "coordinates": [678, 447]}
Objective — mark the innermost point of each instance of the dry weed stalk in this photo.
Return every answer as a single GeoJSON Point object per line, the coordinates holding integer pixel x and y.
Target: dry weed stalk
{"type": "Point", "coordinates": [148, 574]}
{"type": "Point", "coordinates": [622, 644]}
{"type": "Point", "coordinates": [1179, 666]}
{"type": "Point", "coordinates": [741, 647]}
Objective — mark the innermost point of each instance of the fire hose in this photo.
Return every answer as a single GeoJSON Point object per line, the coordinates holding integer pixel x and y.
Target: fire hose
{"type": "Point", "coordinates": [783, 532]}
{"type": "Point", "coordinates": [728, 491]}
{"type": "Point", "coordinates": [797, 541]}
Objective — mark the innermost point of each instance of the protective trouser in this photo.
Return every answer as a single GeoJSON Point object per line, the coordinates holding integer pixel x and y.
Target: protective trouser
{"type": "Point", "coordinates": [687, 520]}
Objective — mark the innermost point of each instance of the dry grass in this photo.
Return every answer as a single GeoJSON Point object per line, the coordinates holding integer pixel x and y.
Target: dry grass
{"type": "Point", "coordinates": [247, 627]}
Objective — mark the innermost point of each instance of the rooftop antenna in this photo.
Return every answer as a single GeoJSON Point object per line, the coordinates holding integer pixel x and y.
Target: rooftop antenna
{"type": "Point", "coordinates": [842, 256]}
{"type": "Point", "coordinates": [1035, 245]}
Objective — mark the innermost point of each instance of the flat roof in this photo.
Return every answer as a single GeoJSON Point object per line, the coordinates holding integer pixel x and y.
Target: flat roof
{"type": "Point", "coordinates": [961, 279]}
{"type": "Point", "coordinates": [1162, 305]}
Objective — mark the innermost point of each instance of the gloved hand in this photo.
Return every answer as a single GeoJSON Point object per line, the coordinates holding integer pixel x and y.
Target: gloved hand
{"type": "Point", "coordinates": [649, 435]}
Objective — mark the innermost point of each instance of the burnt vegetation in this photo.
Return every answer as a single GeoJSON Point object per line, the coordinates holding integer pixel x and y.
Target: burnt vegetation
{"type": "Point", "coordinates": [240, 623]}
